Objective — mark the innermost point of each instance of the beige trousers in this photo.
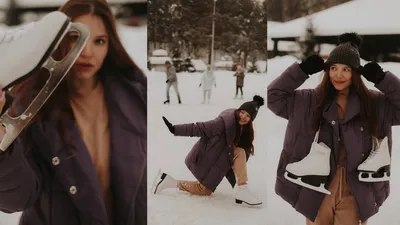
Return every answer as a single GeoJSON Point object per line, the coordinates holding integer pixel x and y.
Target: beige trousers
{"type": "Point", "coordinates": [339, 208]}
{"type": "Point", "coordinates": [239, 168]}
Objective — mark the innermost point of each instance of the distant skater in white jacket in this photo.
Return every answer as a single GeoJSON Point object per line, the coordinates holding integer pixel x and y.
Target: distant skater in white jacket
{"type": "Point", "coordinates": [207, 81]}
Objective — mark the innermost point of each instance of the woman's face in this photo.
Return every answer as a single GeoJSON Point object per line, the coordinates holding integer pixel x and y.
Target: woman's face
{"type": "Point", "coordinates": [244, 117]}
{"type": "Point", "coordinates": [92, 57]}
{"type": "Point", "coordinates": [340, 76]}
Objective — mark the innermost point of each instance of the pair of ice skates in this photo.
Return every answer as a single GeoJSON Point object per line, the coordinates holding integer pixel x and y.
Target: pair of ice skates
{"type": "Point", "coordinates": [241, 193]}
{"type": "Point", "coordinates": [27, 50]}
{"type": "Point", "coordinates": [313, 170]}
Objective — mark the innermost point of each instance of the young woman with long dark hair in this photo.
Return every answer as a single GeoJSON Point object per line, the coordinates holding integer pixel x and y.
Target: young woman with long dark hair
{"type": "Point", "coordinates": [82, 160]}
{"type": "Point", "coordinates": [333, 132]}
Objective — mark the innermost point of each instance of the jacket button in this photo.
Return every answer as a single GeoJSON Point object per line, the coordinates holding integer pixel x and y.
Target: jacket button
{"type": "Point", "coordinates": [55, 161]}
{"type": "Point", "coordinates": [362, 129]}
{"type": "Point", "coordinates": [333, 122]}
{"type": "Point", "coordinates": [72, 190]}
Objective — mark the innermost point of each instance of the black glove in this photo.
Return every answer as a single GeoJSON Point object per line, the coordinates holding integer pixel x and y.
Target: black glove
{"type": "Point", "coordinates": [171, 128]}
{"type": "Point", "coordinates": [199, 85]}
{"type": "Point", "coordinates": [312, 64]}
{"type": "Point", "coordinates": [373, 72]}
{"type": "Point", "coordinates": [167, 81]}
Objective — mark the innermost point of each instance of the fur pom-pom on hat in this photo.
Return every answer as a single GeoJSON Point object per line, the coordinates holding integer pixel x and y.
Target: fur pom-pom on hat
{"type": "Point", "coordinates": [353, 38]}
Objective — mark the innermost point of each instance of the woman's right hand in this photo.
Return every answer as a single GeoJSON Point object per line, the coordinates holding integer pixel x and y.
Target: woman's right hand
{"type": "Point", "coordinates": [313, 64]}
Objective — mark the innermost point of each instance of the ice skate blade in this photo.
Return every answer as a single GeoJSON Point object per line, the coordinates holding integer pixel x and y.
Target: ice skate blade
{"type": "Point", "coordinates": [157, 181]}
{"type": "Point", "coordinates": [370, 179]}
{"type": "Point", "coordinates": [298, 181]}
{"type": "Point", "coordinates": [239, 202]}
{"type": "Point", "coordinates": [57, 70]}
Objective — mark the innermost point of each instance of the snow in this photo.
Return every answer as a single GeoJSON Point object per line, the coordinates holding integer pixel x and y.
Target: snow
{"type": "Point", "coordinates": [134, 40]}
{"type": "Point", "coordinates": [223, 64]}
{"type": "Point", "coordinates": [159, 52]}
{"type": "Point", "coordinates": [342, 18]}
{"type": "Point", "coordinates": [168, 153]}
{"type": "Point", "coordinates": [159, 60]}
{"type": "Point", "coordinates": [199, 65]}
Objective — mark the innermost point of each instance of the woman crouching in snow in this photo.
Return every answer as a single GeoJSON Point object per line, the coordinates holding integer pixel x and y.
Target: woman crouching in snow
{"type": "Point", "coordinates": [225, 143]}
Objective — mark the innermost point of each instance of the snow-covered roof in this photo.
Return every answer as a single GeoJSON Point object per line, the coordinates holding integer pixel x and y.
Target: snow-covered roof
{"type": "Point", "coordinates": [159, 52]}
{"type": "Point", "coordinates": [53, 3]}
{"type": "Point", "coordinates": [160, 60]}
{"type": "Point", "coordinates": [366, 17]}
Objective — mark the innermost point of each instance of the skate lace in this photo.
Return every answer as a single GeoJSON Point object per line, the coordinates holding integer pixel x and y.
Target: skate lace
{"type": "Point", "coordinates": [14, 34]}
{"type": "Point", "coordinates": [372, 154]}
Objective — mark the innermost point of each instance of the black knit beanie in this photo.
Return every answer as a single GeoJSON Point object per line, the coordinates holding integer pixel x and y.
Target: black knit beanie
{"type": "Point", "coordinates": [253, 106]}
{"type": "Point", "coordinates": [347, 52]}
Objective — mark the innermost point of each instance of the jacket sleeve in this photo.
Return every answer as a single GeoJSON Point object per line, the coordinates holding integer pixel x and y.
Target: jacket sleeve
{"type": "Point", "coordinates": [203, 76]}
{"type": "Point", "coordinates": [282, 93]}
{"type": "Point", "coordinates": [389, 101]}
{"type": "Point", "coordinates": [20, 178]}
{"type": "Point", "coordinates": [214, 79]}
{"type": "Point", "coordinates": [201, 129]}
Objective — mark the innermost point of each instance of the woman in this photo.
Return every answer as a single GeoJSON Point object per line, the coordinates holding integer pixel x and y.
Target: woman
{"type": "Point", "coordinates": [224, 143]}
{"type": "Point", "coordinates": [207, 81]}
{"type": "Point", "coordinates": [347, 118]}
{"type": "Point", "coordinates": [239, 80]}
{"type": "Point", "coordinates": [82, 160]}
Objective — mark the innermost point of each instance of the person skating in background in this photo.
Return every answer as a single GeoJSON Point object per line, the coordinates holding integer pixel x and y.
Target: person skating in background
{"type": "Point", "coordinates": [239, 74]}
{"type": "Point", "coordinates": [335, 132]}
{"type": "Point", "coordinates": [172, 81]}
{"type": "Point", "coordinates": [76, 162]}
{"type": "Point", "coordinates": [207, 82]}
{"type": "Point", "coordinates": [225, 143]}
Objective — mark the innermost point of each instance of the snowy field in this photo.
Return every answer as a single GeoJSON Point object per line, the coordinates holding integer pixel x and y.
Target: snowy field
{"type": "Point", "coordinates": [135, 41]}
{"type": "Point", "coordinates": [168, 152]}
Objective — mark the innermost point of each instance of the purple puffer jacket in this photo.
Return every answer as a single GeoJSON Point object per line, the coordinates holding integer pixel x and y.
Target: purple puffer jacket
{"type": "Point", "coordinates": [212, 156]}
{"type": "Point", "coordinates": [53, 188]}
{"type": "Point", "coordinates": [296, 106]}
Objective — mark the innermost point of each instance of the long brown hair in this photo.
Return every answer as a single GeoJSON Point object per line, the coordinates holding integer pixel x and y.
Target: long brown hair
{"type": "Point", "coordinates": [327, 94]}
{"type": "Point", "coordinates": [244, 135]}
{"type": "Point", "coordinates": [117, 62]}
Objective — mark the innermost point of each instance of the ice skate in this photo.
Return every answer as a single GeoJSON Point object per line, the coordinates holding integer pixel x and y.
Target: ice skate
{"type": "Point", "coordinates": [376, 167]}
{"type": "Point", "coordinates": [166, 102]}
{"type": "Point", "coordinates": [242, 194]}
{"type": "Point", "coordinates": [28, 49]}
{"type": "Point", "coordinates": [163, 181]}
{"type": "Point", "coordinates": [313, 170]}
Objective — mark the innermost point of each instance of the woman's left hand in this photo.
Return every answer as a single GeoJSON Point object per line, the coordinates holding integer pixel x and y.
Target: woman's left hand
{"type": "Point", "coordinates": [373, 72]}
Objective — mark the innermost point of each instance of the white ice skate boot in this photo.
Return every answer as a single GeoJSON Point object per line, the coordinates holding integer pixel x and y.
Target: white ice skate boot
{"type": "Point", "coordinates": [242, 194]}
{"type": "Point", "coordinates": [163, 181]}
{"type": "Point", "coordinates": [376, 167]}
{"type": "Point", "coordinates": [26, 50]}
{"type": "Point", "coordinates": [313, 170]}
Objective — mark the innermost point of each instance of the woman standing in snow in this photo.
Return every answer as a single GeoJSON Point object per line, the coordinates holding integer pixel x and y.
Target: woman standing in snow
{"type": "Point", "coordinates": [345, 118]}
{"type": "Point", "coordinates": [239, 80]}
{"type": "Point", "coordinates": [208, 81]}
{"type": "Point", "coordinates": [224, 144]}
{"type": "Point", "coordinates": [82, 160]}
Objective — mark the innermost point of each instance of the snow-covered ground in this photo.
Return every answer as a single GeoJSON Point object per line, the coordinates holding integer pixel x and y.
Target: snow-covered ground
{"type": "Point", "coordinates": [168, 152]}
{"type": "Point", "coordinates": [134, 40]}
